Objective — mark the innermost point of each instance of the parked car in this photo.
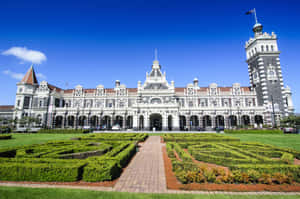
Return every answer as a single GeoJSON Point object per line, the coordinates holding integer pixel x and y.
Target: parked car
{"type": "Point", "coordinates": [287, 130]}
{"type": "Point", "coordinates": [220, 128]}
{"type": "Point", "coordinates": [116, 127]}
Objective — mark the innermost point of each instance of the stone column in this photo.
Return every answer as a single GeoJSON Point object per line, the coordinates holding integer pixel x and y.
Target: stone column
{"type": "Point", "coordinates": [213, 121]}
{"type": "Point", "coordinates": [124, 122]}
{"type": "Point", "coordinates": [200, 121]}
{"type": "Point", "coordinates": [188, 122]}
{"type": "Point", "coordinates": [175, 123]}
{"type": "Point", "coordinates": [146, 122]}
{"type": "Point", "coordinates": [135, 122]}
{"type": "Point", "coordinates": [164, 122]}
{"type": "Point", "coordinates": [67, 121]}
{"type": "Point", "coordinates": [63, 122]}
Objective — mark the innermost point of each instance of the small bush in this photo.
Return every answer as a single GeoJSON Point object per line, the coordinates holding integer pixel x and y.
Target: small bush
{"type": "Point", "coordinates": [40, 172]}
{"type": "Point", "coordinates": [254, 131]}
{"type": "Point", "coordinates": [287, 158]}
{"type": "Point", "coordinates": [5, 137]}
{"type": "Point", "coordinates": [63, 131]}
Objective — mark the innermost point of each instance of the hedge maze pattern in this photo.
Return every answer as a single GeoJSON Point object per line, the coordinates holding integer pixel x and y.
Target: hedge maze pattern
{"type": "Point", "coordinates": [246, 162]}
{"type": "Point", "coordinates": [91, 158]}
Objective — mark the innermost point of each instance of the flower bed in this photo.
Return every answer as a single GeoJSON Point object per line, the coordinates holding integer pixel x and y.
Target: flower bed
{"type": "Point", "coordinates": [235, 162]}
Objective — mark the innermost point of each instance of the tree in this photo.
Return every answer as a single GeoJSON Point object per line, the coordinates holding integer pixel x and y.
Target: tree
{"type": "Point", "coordinates": [291, 121]}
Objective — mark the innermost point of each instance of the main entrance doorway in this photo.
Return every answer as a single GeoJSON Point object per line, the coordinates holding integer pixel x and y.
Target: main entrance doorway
{"type": "Point", "coordinates": [156, 122]}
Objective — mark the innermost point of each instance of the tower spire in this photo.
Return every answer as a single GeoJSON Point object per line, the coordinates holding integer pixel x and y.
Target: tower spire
{"type": "Point", "coordinates": [155, 54]}
{"type": "Point", "coordinates": [30, 77]}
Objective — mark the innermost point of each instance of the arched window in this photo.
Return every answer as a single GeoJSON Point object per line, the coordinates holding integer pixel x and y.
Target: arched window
{"type": "Point", "coordinates": [252, 52]}
{"type": "Point", "coordinates": [272, 48]}
{"type": "Point", "coordinates": [262, 48]}
{"type": "Point", "coordinates": [267, 48]}
{"type": "Point", "coordinates": [249, 54]}
{"type": "Point", "coordinates": [271, 74]}
{"type": "Point", "coordinates": [155, 101]}
{"type": "Point", "coordinates": [255, 50]}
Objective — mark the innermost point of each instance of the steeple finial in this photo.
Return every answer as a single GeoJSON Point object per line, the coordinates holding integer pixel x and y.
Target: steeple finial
{"type": "Point", "coordinates": [155, 54]}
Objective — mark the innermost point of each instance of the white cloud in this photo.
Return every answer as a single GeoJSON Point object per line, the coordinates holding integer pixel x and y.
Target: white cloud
{"type": "Point", "coordinates": [17, 76]}
{"type": "Point", "coordinates": [41, 76]}
{"type": "Point", "coordinates": [25, 54]}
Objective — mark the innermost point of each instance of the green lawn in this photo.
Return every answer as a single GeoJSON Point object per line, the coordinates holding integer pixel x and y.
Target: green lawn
{"type": "Point", "coordinates": [20, 139]}
{"type": "Point", "coordinates": [50, 193]}
{"type": "Point", "coordinates": [282, 140]}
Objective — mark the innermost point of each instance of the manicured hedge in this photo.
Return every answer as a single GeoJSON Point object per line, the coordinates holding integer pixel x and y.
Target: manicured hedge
{"type": "Point", "coordinates": [63, 131]}
{"type": "Point", "coordinates": [41, 172]}
{"type": "Point", "coordinates": [254, 131]}
{"type": "Point", "coordinates": [90, 160]}
{"type": "Point", "coordinates": [5, 137]}
{"type": "Point", "coordinates": [101, 171]}
{"type": "Point", "coordinates": [116, 137]}
{"type": "Point", "coordinates": [198, 137]}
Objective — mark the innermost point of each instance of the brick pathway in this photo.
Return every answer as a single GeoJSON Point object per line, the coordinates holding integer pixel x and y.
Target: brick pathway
{"type": "Point", "coordinates": [145, 172]}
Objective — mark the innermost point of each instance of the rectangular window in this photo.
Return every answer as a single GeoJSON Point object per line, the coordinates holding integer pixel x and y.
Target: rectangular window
{"type": "Point", "coordinates": [26, 102]}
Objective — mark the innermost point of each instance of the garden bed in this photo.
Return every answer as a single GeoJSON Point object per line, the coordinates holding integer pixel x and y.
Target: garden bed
{"type": "Point", "coordinates": [89, 160]}
{"type": "Point", "coordinates": [174, 183]}
{"type": "Point", "coordinates": [221, 164]}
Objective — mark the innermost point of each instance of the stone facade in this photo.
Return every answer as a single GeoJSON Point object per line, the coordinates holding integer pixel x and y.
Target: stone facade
{"type": "Point", "coordinates": [158, 104]}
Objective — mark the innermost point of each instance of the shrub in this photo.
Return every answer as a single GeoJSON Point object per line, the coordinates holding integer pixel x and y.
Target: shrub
{"type": "Point", "coordinates": [41, 172]}
{"type": "Point", "coordinates": [5, 137]}
{"type": "Point", "coordinates": [63, 131]}
{"type": "Point", "coordinates": [101, 171]}
{"type": "Point", "coordinates": [287, 158]}
{"type": "Point", "coordinates": [253, 175]}
{"type": "Point", "coordinates": [254, 131]}
{"type": "Point", "coordinates": [265, 178]}
{"type": "Point", "coordinates": [9, 153]}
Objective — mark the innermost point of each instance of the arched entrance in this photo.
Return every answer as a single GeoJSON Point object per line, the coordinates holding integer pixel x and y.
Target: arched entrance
{"type": "Point", "coordinates": [232, 121]}
{"type": "Point", "coordinates": [220, 121]}
{"type": "Point", "coordinates": [58, 121]}
{"type": "Point", "coordinates": [182, 122]}
{"type": "Point", "coordinates": [71, 121]}
{"type": "Point", "coordinates": [129, 122]}
{"type": "Point", "coordinates": [119, 121]}
{"type": "Point", "coordinates": [194, 122]}
{"type": "Point", "coordinates": [245, 120]}
{"type": "Point", "coordinates": [94, 121]}
{"type": "Point", "coordinates": [170, 123]}
{"type": "Point", "coordinates": [106, 122]}
{"type": "Point", "coordinates": [156, 122]}
{"type": "Point", "coordinates": [258, 119]}
{"type": "Point", "coordinates": [141, 122]}
{"type": "Point", "coordinates": [82, 121]}
{"type": "Point", "coordinates": [206, 121]}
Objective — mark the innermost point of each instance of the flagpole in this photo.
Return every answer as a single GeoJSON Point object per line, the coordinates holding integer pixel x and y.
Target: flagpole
{"type": "Point", "coordinates": [255, 16]}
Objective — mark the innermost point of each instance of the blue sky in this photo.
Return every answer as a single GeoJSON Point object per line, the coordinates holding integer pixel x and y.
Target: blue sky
{"type": "Point", "coordinates": [96, 42]}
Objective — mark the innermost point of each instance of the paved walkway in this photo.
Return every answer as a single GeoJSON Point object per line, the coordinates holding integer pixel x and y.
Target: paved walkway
{"type": "Point", "coordinates": [145, 172]}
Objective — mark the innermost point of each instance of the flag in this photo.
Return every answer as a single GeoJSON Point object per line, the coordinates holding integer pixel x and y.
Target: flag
{"type": "Point", "coordinates": [249, 12]}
